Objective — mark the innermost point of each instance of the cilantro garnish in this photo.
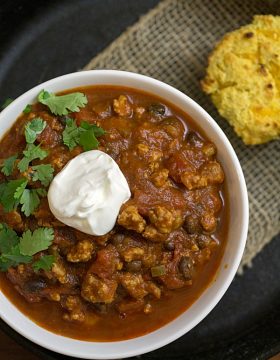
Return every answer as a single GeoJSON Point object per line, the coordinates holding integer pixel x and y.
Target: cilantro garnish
{"type": "Point", "coordinates": [8, 190]}
{"type": "Point", "coordinates": [30, 201]}
{"type": "Point", "coordinates": [8, 165]}
{"type": "Point", "coordinates": [20, 189]}
{"type": "Point", "coordinates": [27, 109]}
{"type": "Point", "coordinates": [88, 135]}
{"type": "Point", "coordinates": [7, 102]}
{"type": "Point", "coordinates": [13, 258]}
{"type": "Point", "coordinates": [15, 250]}
{"type": "Point", "coordinates": [31, 152]}
{"type": "Point", "coordinates": [44, 263]}
{"type": "Point", "coordinates": [43, 173]}
{"type": "Point", "coordinates": [34, 128]}
{"type": "Point", "coordinates": [39, 240]}
{"type": "Point", "coordinates": [14, 192]}
{"type": "Point", "coordinates": [63, 104]}
{"type": "Point", "coordinates": [71, 134]}
{"type": "Point", "coordinates": [85, 135]}
{"type": "Point", "coordinates": [8, 238]}
{"type": "Point", "coordinates": [9, 249]}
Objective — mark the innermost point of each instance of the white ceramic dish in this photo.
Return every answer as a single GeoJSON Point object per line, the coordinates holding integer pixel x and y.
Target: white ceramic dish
{"type": "Point", "coordinates": [238, 227]}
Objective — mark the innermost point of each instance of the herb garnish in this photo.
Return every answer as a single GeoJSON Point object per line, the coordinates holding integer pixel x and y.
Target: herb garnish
{"type": "Point", "coordinates": [14, 192]}
{"type": "Point", "coordinates": [27, 109]}
{"type": "Point", "coordinates": [8, 165]}
{"type": "Point", "coordinates": [43, 173]}
{"type": "Point", "coordinates": [84, 135]}
{"type": "Point", "coordinates": [63, 104]}
{"type": "Point", "coordinates": [34, 128]}
{"type": "Point", "coordinates": [8, 191]}
{"type": "Point", "coordinates": [39, 240]}
{"type": "Point", "coordinates": [71, 134]}
{"type": "Point", "coordinates": [31, 153]}
{"type": "Point", "coordinates": [15, 250]}
{"type": "Point", "coordinates": [45, 263]}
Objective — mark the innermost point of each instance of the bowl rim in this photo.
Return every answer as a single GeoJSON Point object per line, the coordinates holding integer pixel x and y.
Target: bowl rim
{"type": "Point", "coordinates": [142, 341]}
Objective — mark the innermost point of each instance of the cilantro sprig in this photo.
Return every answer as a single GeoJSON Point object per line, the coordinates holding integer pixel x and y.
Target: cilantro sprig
{"type": "Point", "coordinates": [30, 200]}
{"type": "Point", "coordinates": [15, 250]}
{"type": "Point", "coordinates": [34, 128]}
{"type": "Point", "coordinates": [39, 240]}
{"type": "Point", "coordinates": [71, 134]}
{"type": "Point", "coordinates": [84, 135]}
{"type": "Point", "coordinates": [63, 104]}
{"type": "Point", "coordinates": [8, 165]}
{"type": "Point", "coordinates": [27, 109]}
{"type": "Point", "coordinates": [45, 263]}
{"type": "Point", "coordinates": [14, 193]}
{"type": "Point", "coordinates": [43, 173]}
{"type": "Point", "coordinates": [10, 193]}
{"type": "Point", "coordinates": [31, 153]}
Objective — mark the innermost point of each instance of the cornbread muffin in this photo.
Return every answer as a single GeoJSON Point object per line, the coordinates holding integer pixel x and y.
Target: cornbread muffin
{"type": "Point", "coordinates": [243, 79]}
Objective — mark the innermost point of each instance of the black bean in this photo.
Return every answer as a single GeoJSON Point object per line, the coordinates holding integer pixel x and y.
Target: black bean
{"type": "Point", "coordinates": [101, 308]}
{"type": "Point", "coordinates": [186, 267]}
{"type": "Point", "coordinates": [157, 109]}
{"type": "Point", "coordinates": [35, 285]}
{"type": "Point", "coordinates": [169, 246]}
{"type": "Point", "coordinates": [192, 224]}
{"type": "Point", "coordinates": [203, 241]}
{"type": "Point", "coordinates": [117, 239]}
{"type": "Point", "coordinates": [193, 139]}
{"type": "Point", "coordinates": [134, 266]}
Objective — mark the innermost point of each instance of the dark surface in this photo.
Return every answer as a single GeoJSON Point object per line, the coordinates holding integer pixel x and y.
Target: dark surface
{"type": "Point", "coordinates": [43, 39]}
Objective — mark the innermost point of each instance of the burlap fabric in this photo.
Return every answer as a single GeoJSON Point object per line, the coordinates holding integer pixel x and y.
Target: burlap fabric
{"type": "Point", "coordinates": [171, 43]}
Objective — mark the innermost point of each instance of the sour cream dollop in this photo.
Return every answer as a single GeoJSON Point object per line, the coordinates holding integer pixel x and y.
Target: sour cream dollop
{"type": "Point", "coordinates": [88, 192]}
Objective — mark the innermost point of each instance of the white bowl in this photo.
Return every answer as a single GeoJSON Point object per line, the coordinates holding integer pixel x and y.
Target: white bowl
{"type": "Point", "coordinates": [238, 226]}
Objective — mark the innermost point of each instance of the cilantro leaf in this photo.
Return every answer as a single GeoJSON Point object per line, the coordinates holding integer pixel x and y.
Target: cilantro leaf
{"type": "Point", "coordinates": [71, 134]}
{"type": "Point", "coordinates": [88, 135]}
{"type": "Point", "coordinates": [15, 250]}
{"type": "Point", "coordinates": [27, 109]}
{"type": "Point", "coordinates": [13, 258]}
{"type": "Point", "coordinates": [8, 166]}
{"type": "Point", "coordinates": [8, 238]}
{"type": "Point", "coordinates": [41, 192]}
{"type": "Point", "coordinates": [14, 192]}
{"type": "Point", "coordinates": [98, 131]}
{"type": "Point", "coordinates": [88, 140]}
{"type": "Point", "coordinates": [43, 173]}
{"type": "Point", "coordinates": [2, 189]}
{"type": "Point", "coordinates": [19, 191]}
{"type": "Point", "coordinates": [63, 104]}
{"type": "Point", "coordinates": [31, 153]}
{"type": "Point", "coordinates": [8, 190]}
{"type": "Point", "coordinates": [44, 263]}
{"type": "Point", "coordinates": [30, 201]}
{"type": "Point", "coordinates": [85, 135]}
{"type": "Point", "coordinates": [39, 240]}
{"type": "Point", "coordinates": [34, 128]}
{"type": "Point", "coordinates": [7, 102]}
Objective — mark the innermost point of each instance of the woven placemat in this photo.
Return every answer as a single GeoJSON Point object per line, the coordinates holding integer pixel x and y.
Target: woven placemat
{"type": "Point", "coordinates": [172, 43]}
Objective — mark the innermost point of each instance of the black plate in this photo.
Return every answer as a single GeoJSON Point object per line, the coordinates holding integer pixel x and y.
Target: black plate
{"type": "Point", "coordinates": [43, 39]}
